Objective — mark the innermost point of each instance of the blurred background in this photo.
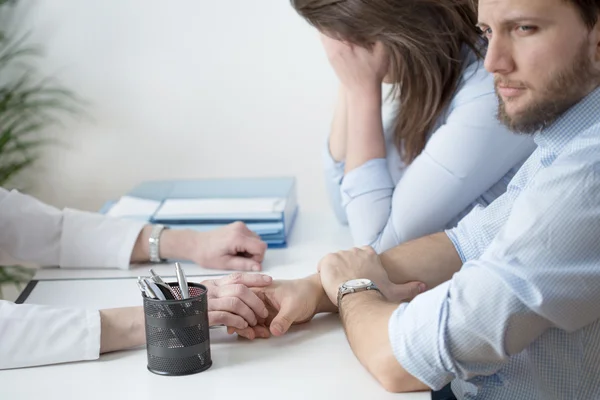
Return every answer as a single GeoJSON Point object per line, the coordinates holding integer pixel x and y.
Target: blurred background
{"type": "Point", "coordinates": [179, 89]}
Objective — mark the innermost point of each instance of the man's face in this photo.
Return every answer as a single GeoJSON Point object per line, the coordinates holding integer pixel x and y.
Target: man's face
{"type": "Point", "coordinates": [543, 57]}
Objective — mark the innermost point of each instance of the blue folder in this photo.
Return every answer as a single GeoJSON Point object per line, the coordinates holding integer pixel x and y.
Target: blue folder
{"type": "Point", "coordinates": [273, 227]}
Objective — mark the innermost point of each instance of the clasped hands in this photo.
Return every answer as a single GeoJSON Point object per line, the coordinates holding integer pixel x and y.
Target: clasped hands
{"type": "Point", "coordinates": [254, 306]}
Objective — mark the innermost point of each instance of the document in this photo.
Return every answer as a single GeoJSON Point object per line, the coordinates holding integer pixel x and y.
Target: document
{"type": "Point", "coordinates": [136, 207]}
{"type": "Point", "coordinates": [183, 208]}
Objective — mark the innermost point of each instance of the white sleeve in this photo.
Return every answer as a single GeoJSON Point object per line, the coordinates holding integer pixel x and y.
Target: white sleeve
{"type": "Point", "coordinates": [32, 231]}
{"type": "Point", "coordinates": [462, 160]}
{"type": "Point", "coordinates": [33, 335]}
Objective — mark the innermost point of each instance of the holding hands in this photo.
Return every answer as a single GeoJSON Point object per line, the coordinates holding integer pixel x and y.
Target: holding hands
{"type": "Point", "coordinates": [297, 301]}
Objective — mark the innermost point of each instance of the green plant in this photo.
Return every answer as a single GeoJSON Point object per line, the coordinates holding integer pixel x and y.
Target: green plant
{"type": "Point", "coordinates": [29, 106]}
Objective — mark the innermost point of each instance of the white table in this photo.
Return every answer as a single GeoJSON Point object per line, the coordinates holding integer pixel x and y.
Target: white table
{"type": "Point", "coordinates": [312, 360]}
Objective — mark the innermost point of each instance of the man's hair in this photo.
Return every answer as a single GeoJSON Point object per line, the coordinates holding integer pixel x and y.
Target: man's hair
{"type": "Point", "coordinates": [424, 39]}
{"type": "Point", "coordinates": [588, 9]}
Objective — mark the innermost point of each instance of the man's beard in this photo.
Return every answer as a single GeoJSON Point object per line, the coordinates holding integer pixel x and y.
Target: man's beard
{"type": "Point", "coordinates": [563, 90]}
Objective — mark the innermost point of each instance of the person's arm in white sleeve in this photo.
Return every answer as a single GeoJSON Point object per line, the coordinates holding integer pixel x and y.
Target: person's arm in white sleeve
{"type": "Point", "coordinates": [34, 232]}
{"type": "Point", "coordinates": [39, 335]}
{"type": "Point", "coordinates": [32, 335]}
{"type": "Point", "coordinates": [463, 159]}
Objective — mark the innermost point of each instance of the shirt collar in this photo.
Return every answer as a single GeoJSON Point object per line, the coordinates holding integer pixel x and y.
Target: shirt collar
{"type": "Point", "coordinates": [575, 120]}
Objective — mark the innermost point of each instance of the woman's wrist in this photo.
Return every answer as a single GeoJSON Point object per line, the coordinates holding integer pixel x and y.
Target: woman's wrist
{"type": "Point", "coordinates": [121, 328]}
{"type": "Point", "coordinates": [324, 304]}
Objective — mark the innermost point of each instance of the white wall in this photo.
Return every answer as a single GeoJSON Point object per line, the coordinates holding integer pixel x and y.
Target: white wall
{"type": "Point", "coordinates": [183, 89]}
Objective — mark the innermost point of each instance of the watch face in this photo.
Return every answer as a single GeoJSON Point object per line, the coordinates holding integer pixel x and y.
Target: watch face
{"type": "Point", "coordinates": [358, 283]}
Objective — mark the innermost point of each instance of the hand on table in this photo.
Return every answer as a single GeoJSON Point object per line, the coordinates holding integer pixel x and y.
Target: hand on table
{"type": "Point", "coordinates": [232, 247]}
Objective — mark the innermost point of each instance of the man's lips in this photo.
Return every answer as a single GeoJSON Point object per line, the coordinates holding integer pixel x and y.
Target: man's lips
{"type": "Point", "coordinates": [510, 91]}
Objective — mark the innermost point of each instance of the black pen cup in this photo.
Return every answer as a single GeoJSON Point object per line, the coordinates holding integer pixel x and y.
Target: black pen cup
{"type": "Point", "coordinates": [177, 332]}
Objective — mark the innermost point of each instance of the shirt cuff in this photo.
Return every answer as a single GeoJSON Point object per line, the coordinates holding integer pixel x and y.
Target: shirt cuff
{"type": "Point", "coordinates": [335, 168]}
{"type": "Point", "coordinates": [416, 335]}
{"type": "Point", "coordinates": [91, 349]}
{"type": "Point", "coordinates": [451, 233]}
{"type": "Point", "coordinates": [91, 240]}
{"type": "Point", "coordinates": [370, 177]}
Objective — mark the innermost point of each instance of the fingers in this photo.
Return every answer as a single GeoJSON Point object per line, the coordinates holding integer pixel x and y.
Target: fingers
{"type": "Point", "coordinates": [247, 299]}
{"type": "Point", "coordinates": [408, 291]}
{"type": "Point", "coordinates": [233, 305]}
{"type": "Point", "coordinates": [255, 332]}
{"type": "Point", "coordinates": [239, 263]}
{"type": "Point", "coordinates": [225, 318]}
{"type": "Point", "coordinates": [255, 246]}
{"type": "Point", "coordinates": [250, 280]}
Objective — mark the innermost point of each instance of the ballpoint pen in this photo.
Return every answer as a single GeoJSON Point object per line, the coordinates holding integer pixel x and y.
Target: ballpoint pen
{"type": "Point", "coordinates": [144, 288]}
{"type": "Point", "coordinates": [183, 286]}
{"type": "Point", "coordinates": [156, 277]}
{"type": "Point", "coordinates": [158, 292]}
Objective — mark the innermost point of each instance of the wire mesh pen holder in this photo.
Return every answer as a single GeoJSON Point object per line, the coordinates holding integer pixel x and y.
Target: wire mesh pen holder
{"type": "Point", "coordinates": [177, 332]}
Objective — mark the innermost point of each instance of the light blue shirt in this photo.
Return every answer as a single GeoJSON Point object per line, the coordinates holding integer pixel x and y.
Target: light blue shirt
{"type": "Point", "coordinates": [520, 320]}
{"type": "Point", "coordinates": [468, 160]}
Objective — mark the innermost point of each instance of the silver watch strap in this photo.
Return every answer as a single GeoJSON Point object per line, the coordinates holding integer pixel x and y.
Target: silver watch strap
{"type": "Point", "coordinates": [154, 243]}
{"type": "Point", "coordinates": [342, 291]}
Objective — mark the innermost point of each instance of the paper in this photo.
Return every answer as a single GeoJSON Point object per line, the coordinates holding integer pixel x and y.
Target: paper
{"type": "Point", "coordinates": [128, 206]}
{"type": "Point", "coordinates": [195, 207]}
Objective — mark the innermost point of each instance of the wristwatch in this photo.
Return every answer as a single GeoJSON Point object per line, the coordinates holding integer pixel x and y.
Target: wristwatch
{"type": "Point", "coordinates": [154, 243]}
{"type": "Point", "coordinates": [355, 286]}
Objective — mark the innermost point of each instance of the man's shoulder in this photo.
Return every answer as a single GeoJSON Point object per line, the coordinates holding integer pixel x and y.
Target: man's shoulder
{"type": "Point", "coordinates": [585, 147]}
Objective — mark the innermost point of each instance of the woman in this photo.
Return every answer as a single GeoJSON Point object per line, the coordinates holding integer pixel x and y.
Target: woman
{"type": "Point", "coordinates": [438, 151]}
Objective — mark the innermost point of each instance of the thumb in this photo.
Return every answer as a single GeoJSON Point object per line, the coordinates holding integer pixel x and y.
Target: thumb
{"type": "Point", "coordinates": [407, 291]}
{"type": "Point", "coordinates": [283, 320]}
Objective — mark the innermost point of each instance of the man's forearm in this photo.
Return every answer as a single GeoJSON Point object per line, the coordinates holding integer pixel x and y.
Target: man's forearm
{"type": "Point", "coordinates": [365, 316]}
{"type": "Point", "coordinates": [121, 328]}
{"type": "Point", "coordinates": [431, 259]}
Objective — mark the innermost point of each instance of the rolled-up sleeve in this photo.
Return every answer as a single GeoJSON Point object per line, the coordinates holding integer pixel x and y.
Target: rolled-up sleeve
{"type": "Point", "coordinates": [334, 174]}
{"type": "Point", "coordinates": [35, 232]}
{"type": "Point", "coordinates": [539, 272]}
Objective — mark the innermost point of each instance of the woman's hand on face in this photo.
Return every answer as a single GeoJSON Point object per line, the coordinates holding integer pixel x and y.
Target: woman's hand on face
{"type": "Point", "coordinates": [357, 68]}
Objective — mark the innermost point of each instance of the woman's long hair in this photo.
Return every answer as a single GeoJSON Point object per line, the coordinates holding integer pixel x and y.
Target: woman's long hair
{"type": "Point", "coordinates": [424, 39]}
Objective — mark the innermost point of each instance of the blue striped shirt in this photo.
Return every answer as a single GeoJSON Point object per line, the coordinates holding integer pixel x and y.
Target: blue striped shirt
{"type": "Point", "coordinates": [521, 319]}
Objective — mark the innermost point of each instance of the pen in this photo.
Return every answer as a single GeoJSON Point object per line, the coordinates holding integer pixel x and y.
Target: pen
{"type": "Point", "coordinates": [144, 289]}
{"type": "Point", "coordinates": [183, 286]}
{"type": "Point", "coordinates": [155, 289]}
{"type": "Point", "coordinates": [156, 277]}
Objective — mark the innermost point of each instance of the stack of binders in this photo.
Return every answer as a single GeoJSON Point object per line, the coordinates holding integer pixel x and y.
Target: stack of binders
{"type": "Point", "coordinates": [267, 205]}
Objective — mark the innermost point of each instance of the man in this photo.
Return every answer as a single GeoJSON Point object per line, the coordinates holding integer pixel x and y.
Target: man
{"type": "Point", "coordinates": [512, 311]}
{"type": "Point", "coordinates": [34, 232]}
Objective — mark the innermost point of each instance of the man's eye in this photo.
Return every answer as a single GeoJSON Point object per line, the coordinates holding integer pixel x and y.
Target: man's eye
{"type": "Point", "coordinates": [487, 32]}
{"type": "Point", "coordinates": [526, 28]}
